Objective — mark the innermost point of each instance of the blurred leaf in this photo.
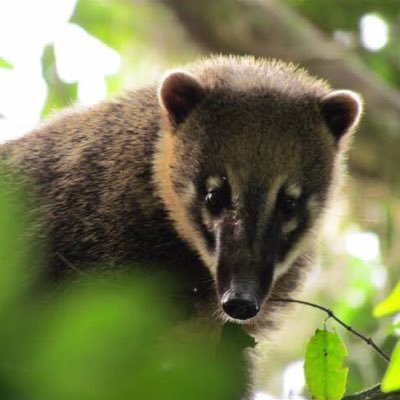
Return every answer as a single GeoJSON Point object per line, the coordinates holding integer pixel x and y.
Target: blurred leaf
{"type": "Point", "coordinates": [114, 83]}
{"type": "Point", "coordinates": [391, 380]}
{"type": "Point", "coordinates": [357, 315]}
{"type": "Point", "coordinates": [95, 343]}
{"type": "Point", "coordinates": [394, 329]}
{"type": "Point", "coordinates": [324, 371]}
{"type": "Point", "coordinates": [97, 339]}
{"type": "Point", "coordinates": [111, 21]}
{"type": "Point", "coordinates": [5, 64]}
{"type": "Point", "coordinates": [234, 333]}
{"type": "Point", "coordinates": [355, 378]}
{"type": "Point", "coordinates": [357, 302]}
{"type": "Point", "coordinates": [102, 339]}
{"type": "Point", "coordinates": [60, 94]}
{"type": "Point", "coordinates": [233, 343]}
{"type": "Point", "coordinates": [15, 246]}
{"type": "Point", "coordinates": [390, 305]}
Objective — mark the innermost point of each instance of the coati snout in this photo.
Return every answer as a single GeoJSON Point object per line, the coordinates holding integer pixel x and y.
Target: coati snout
{"type": "Point", "coordinates": [244, 264]}
{"type": "Point", "coordinates": [242, 281]}
{"type": "Point", "coordinates": [243, 290]}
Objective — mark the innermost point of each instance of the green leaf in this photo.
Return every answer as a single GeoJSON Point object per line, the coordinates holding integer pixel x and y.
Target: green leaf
{"type": "Point", "coordinates": [5, 64]}
{"type": "Point", "coordinates": [391, 380]}
{"type": "Point", "coordinates": [234, 334]}
{"type": "Point", "coordinates": [390, 305]}
{"type": "Point", "coordinates": [324, 371]}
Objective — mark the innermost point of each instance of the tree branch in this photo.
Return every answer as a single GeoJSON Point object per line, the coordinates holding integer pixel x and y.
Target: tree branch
{"type": "Point", "coordinates": [330, 313]}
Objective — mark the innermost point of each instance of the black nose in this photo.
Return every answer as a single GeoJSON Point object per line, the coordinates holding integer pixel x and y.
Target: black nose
{"type": "Point", "coordinates": [240, 305]}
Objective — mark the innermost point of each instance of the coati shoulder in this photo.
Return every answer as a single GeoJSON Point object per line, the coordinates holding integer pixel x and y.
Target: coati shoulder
{"type": "Point", "coordinates": [220, 172]}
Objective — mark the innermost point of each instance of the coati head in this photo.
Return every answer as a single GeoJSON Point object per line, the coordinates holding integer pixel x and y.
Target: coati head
{"type": "Point", "coordinates": [247, 158]}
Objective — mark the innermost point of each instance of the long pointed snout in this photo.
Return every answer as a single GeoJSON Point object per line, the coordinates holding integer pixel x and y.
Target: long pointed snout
{"type": "Point", "coordinates": [245, 269]}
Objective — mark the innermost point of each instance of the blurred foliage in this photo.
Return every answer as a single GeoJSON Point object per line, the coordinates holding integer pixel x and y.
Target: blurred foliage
{"type": "Point", "coordinates": [97, 338]}
{"type": "Point", "coordinates": [118, 17]}
{"type": "Point", "coordinates": [144, 32]}
{"type": "Point", "coordinates": [5, 64]}
{"type": "Point", "coordinates": [15, 255]}
{"type": "Point", "coordinates": [391, 380]}
{"type": "Point", "coordinates": [59, 93]}
{"type": "Point", "coordinates": [389, 305]}
{"type": "Point", "coordinates": [345, 15]}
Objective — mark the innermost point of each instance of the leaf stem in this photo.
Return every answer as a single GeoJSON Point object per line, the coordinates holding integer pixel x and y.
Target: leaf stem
{"type": "Point", "coordinates": [330, 313]}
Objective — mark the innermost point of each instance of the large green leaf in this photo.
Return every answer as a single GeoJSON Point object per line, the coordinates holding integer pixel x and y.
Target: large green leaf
{"type": "Point", "coordinates": [103, 340]}
{"type": "Point", "coordinates": [391, 380]}
{"type": "Point", "coordinates": [390, 305]}
{"type": "Point", "coordinates": [324, 371]}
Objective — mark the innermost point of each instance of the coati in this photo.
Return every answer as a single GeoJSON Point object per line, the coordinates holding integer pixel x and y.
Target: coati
{"type": "Point", "coordinates": [219, 175]}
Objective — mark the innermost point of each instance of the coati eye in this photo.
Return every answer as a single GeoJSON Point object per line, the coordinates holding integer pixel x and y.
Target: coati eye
{"type": "Point", "coordinates": [288, 205]}
{"type": "Point", "coordinates": [218, 199]}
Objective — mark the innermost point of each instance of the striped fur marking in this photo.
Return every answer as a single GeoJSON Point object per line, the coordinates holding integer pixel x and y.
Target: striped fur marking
{"type": "Point", "coordinates": [164, 159]}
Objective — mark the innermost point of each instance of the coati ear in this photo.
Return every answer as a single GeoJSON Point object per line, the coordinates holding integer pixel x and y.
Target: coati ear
{"type": "Point", "coordinates": [178, 94]}
{"type": "Point", "coordinates": [341, 110]}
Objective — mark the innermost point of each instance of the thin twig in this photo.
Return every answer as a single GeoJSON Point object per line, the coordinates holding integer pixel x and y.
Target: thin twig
{"type": "Point", "coordinates": [330, 313]}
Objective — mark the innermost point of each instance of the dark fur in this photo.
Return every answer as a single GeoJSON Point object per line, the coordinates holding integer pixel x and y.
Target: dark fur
{"type": "Point", "coordinates": [93, 169]}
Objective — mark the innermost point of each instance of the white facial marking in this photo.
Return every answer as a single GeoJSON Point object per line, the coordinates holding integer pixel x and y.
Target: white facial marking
{"type": "Point", "coordinates": [289, 226]}
{"type": "Point", "coordinates": [214, 182]}
{"type": "Point", "coordinates": [164, 158]}
{"type": "Point", "coordinates": [188, 193]}
{"type": "Point", "coordinates": [313, 206]}
{"type": "Point", "coordinates": [294, 191]}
